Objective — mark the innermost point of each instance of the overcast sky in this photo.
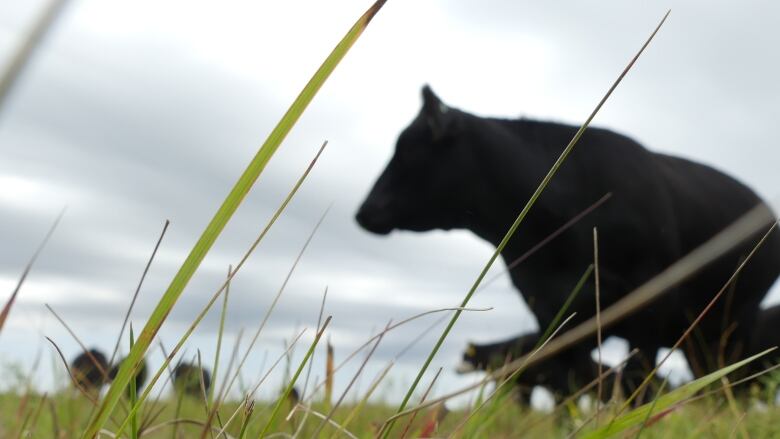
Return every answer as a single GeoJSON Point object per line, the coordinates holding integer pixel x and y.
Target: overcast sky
{"type": "Point", "coordinates": [136, 112]}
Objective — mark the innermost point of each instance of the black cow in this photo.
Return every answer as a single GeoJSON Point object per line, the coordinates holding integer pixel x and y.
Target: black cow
{"type": "Point", "coordinates": [187, 380]}
{"type": "Point", "coordinates": [89, 370]}
{"type": "Point", "coordinates": [455, 170]}
{"type": "Point", "coordinates": [562, 374]}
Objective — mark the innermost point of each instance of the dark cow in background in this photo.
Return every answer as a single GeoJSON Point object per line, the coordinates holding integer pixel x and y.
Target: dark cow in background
{"type": "Point", "coordinates": [562, 374]}
{"type": "Point", "coordinates": [192, 380]}
{"type": "Point", "coordinates": [89, 370]}
{"type": "Point", "coordinates": [140, 375]}
{"type": "Point", "coordinates": [455, 170]}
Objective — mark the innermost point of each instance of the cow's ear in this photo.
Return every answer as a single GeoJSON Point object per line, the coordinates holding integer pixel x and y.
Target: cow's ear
{"type": "Point", "coordinates": [437, 114]}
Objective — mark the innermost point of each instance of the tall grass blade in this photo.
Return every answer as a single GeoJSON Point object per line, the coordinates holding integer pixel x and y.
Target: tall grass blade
{"type": "Point", "coordinates": [545, 181]}
{"type": "Point", "coordinates": [29, 43]}
{"type": "Point", "coordinates": [215, 368]}
{"type": "Point", "coordinates": [221, 217]}
{"type": "Point", "coordinates": [137, 291]}
{"type": "Point", "coordinates": [288, 389]}
{"type": "Point", "coordinates": [10, 302]}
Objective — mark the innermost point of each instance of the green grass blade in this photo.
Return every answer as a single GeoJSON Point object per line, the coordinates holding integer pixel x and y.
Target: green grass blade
{"type": "Point", "coordinates": [215, 367]}
{"type": "Point", "coordinates": [286, 394]}
{"type": "Point", "coordinates": [638, 416]}
{"type": "Point", "coordinates": [220, 219]}
{"type": "Point", "coordinates": [532, 200]}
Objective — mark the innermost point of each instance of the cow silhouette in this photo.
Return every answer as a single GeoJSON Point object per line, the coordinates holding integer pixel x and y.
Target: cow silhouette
{"type": "Point", "coordinates": [455, 170]}
{"type": "Point", "coordinates": [89, 370]}
{"type": "Point", "coordinates": [187, 380]}
{"type": "Point", "coordinates": [562, 374]}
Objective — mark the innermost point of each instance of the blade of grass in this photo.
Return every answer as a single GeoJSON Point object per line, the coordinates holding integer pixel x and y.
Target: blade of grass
{"type": "Point", "coordinates": [381, 334]}
{"type": "Point", "coordinates": [359, 407]}
{"type": "Point", "coordinates": [574, 220]}
{"type": "Point", "coordinates": [137, 291]}
{"type": "Point", "coordinates": [223, 214]}
{"type": "Point", "coordinates": [349, 386]}
{"type": "Point", "coordinates": [276, 299]}
{"type": "Point", "coordinates": [299, 429]}
{"type": "Point", "coordinates": [272, 419]}
{"type": "Point", "coordinates": [7, 308]}
{"type": "Point", "coordinates": [598, 318]}
{"type": "Point", "coordinates": [133, 394]}
{"type": "Point", "coordinates": [251, 394]}
{"type": "Point", "coordinates": [86, 351]}
{"type": "Point", "coordinates": [29, 43]}
{"type": "Point", "coordinates": [542, 185]}
{"type": "Point", "coordinates": [422, 400]}
{"type": "Point", "coordinates": [221, 330]}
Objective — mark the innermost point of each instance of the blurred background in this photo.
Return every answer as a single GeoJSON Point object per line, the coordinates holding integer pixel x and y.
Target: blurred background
{"type": "Point", "coordinates": [133, 112]}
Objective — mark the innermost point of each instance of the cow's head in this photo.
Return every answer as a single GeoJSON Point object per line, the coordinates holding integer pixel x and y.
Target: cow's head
{"type": "Point", "coordinates": [422, 188]}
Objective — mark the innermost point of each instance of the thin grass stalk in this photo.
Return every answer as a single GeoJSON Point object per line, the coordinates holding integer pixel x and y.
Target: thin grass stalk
{"type": "Point", "coordinates": [537, 193]}
{"type": "Point", "coordinates": [271, 308]}
{"type": "Point", "coordinates": [221, 331]}
{"type": "Point", "coordinates": [36, 415]}
{"type": "Point", "coordinates": [132, 395]}
{"type": "Point", "coordinates": [357, 409]}
{"type": "Point", "coordinates": [29, 44]}
{"type": "Point", "coordinates": [222, 394]}
{"type": "Point", "coordinates": [72, 377]}
{"type": "Point", "coordinates": [286, 393]}
{"type": "Point", "coordinates": [574, 220]}
{"type": "Point", "coordinates": [148, 420]}
{"type": "Point", "coordinates": [173, 422]}
{"type": "Point", "coordinates": [202, 384]}
{"type": "Point", "coordinates": [137, 291]}
{"type": "Point", "coordinates": [328, 373]}
{"type": "Point", "coordinates": [652, 407]}
{"type": "Point", "coordinates": [598, 317]}
{"type": "Point", "coordinates": [322, 416]}
{"type": "Point", "coordinates": [216, 295]}
{"type": "Point", "coordinates": [422, 400]}
{"type": "Point", "coordinates": [251, 394]}
{"type": "Point", "coordinates": [332, 410]}
{"type": "Point", "coordinates": [10, 302]}
{"type": "Point", "coordinates": [249, 407]}
{"type": "Point", "coordinates": [91, 357]}
{"type": "Point", "coordinates": [420, 336]}
{"type": "Point", "coordinates": [732, 405]}
{"type": "Point", "coordinates": [223, 215]}
{"type": "Point", "coordinates": [381, 334]}
{"type": "Point", "coordinates": [561, 312]}
{"type": "Point", "coordinates": [299, 429]}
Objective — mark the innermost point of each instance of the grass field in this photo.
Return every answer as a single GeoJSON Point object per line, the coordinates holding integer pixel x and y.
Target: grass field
{"type": "Point", "coordinates": [66, 414]}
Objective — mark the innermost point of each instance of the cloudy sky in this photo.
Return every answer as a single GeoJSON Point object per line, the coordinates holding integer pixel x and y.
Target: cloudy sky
{"type": "Point", "coordinates": [136, 112]}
